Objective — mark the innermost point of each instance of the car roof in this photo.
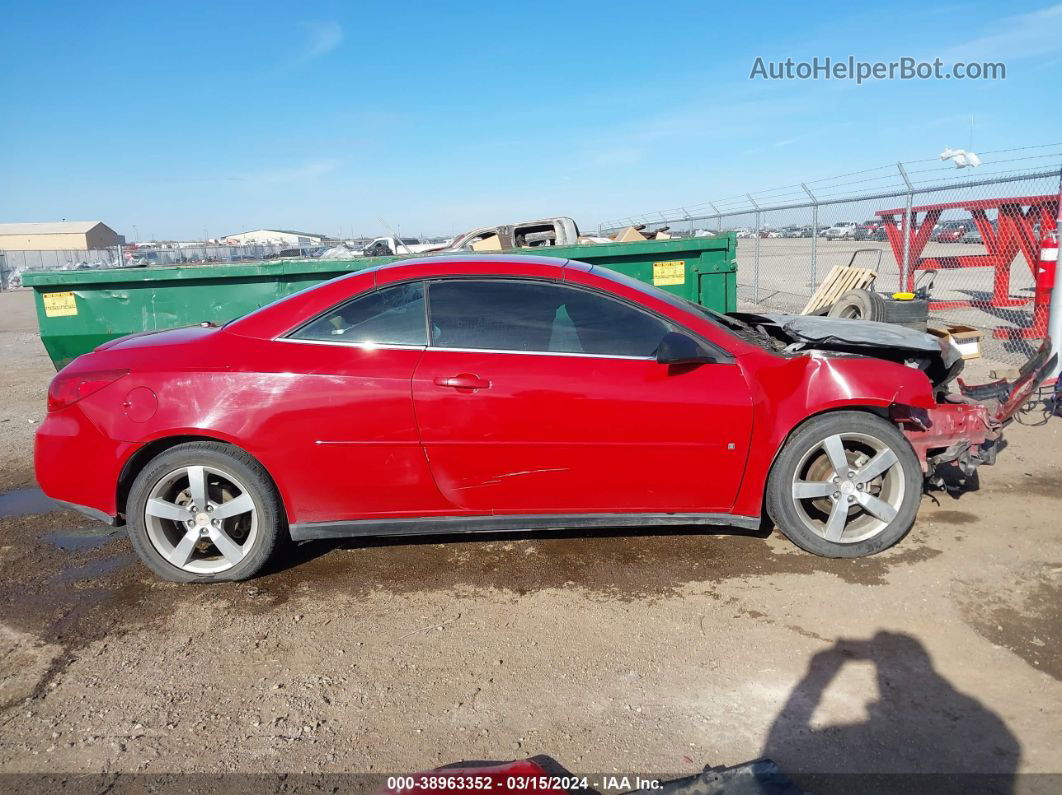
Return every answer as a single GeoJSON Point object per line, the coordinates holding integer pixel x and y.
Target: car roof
{"type": "Point", "coordinates": [319, 296]}
{"type": "Point", "coordinates": [477, 259]}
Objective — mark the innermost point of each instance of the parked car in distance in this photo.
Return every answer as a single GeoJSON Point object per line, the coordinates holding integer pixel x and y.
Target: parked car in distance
{"type": "Point", "coordinates": [870, 230]}
{"type": "Point", "coordinates": [842, 230]}
{"type": "Point", "coordinates": [139, 257]}
{"type": "Point", "coordinates": [973, 236]}
{"type": "Point", "coordinates": [298, 252]}
{"type": "Point", "coordinates": [951, 231]}
{"type": "Point", "coordinates": [505, 392]}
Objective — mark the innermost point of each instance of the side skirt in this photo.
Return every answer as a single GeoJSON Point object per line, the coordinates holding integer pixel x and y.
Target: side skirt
{"type": "Point", "coordinates": [482, 524]}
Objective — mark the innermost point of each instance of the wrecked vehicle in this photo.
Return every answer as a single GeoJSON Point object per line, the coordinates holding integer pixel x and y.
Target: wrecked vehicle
{"type": "Point", "coordinates": [963, 429]}
{"type": "Point", "coordinates": [507, 392]}
{"type": "Point", "coordinates": [559, 231]}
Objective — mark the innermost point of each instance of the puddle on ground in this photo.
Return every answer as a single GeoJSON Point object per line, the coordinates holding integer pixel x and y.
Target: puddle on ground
{"type": "Point", "coordinates": [95, 569]}
{"type": "Point", "coordinates": [26, 502]}
{"type": "Point", "coordinates": [620, 565]}
{"type": "Point", "coordinates": [69, 584]}
{"type": "Point", "coordinates": [78, 540]}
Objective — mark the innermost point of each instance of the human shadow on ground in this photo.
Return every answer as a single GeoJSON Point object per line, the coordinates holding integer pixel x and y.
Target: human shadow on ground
{"type": "Point", "coordinates": [920, 734]}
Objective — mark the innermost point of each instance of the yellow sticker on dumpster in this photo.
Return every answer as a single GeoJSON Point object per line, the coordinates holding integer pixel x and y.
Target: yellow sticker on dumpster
{"type": "Point", "coordinates": [59, 304]}
{"type": "Point", "coordinates": [665, 273]}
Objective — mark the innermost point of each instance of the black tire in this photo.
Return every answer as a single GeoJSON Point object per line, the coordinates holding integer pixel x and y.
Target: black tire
{"type": "Point", "coordinates": [912, 314]}
{"type": "Point", "coordinates": [270, 528]}
{"type": "Point", "coordinates": [791, 515]}
{"type": "Point", "coordinates": [859, 305]}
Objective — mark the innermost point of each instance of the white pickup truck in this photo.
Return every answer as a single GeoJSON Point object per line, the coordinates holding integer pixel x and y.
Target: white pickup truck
{"type": "Point", "coordinates": [842, 230]}
{"type": "Point", "coordinates": [392, 246]}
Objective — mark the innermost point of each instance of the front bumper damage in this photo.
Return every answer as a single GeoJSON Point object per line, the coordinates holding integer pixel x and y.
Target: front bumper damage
{"type": "Point", "coordinates": [966, 430]}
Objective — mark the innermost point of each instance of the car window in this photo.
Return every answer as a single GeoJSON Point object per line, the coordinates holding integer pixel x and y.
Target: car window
{"type": "Point", "coordinates": [391, 316]}
{"type": "Point", "coordinates": [513, 315]}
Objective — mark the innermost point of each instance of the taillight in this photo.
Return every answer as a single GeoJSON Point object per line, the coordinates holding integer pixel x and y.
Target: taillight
{"type": "Point", "coordinates": [68, 388]}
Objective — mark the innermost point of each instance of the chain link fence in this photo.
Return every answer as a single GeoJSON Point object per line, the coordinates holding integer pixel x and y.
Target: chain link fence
{"type": "Point", "coordinates": [14, 262]}
{"type": "Point", "coordinates": [972, 236]}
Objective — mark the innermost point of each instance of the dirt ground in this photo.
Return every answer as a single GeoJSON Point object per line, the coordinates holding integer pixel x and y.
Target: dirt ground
{"type": "Point", "coordinates": [627, 652]}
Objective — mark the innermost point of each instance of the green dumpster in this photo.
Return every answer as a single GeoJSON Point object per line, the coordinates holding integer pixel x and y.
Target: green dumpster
{"type": "Point", "coordinates": [78, 310]}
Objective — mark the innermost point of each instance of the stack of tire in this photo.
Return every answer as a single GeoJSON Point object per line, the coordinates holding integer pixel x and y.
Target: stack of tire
{"type": "Point", "coordinates": [868, 305]}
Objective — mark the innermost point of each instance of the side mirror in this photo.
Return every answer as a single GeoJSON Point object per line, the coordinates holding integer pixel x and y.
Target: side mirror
{"type": "Point", "coordinates": [676, 348]}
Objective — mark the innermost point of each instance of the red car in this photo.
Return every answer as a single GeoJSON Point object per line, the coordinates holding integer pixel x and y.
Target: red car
{"type": "Point", "coordinates": [951, 231]}
{"type": "Point", "coordinates": [456, 394]}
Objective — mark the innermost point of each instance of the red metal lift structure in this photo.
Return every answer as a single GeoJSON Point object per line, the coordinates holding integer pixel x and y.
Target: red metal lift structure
{"type": "Point", "coordinates": [1021, 223]}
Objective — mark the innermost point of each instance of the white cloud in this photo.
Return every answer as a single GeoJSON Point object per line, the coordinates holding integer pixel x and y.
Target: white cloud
{"type": "Point", "coordinates": [320, 38]}
{"type": "Point", "coordinates": [1021, 36]}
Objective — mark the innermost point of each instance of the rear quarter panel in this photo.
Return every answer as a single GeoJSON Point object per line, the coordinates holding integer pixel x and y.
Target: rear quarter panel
{"type": "Point", "coordinates": [333, 425]}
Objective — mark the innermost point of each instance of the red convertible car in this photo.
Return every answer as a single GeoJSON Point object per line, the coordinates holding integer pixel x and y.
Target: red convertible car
{"type": "Point", "coordinates": [476, 393]}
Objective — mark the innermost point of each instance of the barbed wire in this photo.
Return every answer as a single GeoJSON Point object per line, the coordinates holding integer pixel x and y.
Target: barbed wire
{"type": "Point", "coordinates": [833, 188]}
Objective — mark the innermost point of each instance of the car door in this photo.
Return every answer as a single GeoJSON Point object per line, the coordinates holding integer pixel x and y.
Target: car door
{"type": "Point", "coordinates": [539, 397]}
{"type": "Point", "coordinates": [342, 412]}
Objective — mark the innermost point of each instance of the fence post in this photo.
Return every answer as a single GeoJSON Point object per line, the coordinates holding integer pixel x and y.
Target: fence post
{"type": "Point", "coordinates": [1054, 308]}
{"type": "Point", "coordinates": [814, 238]}
{"type": "Point", "coordinates": [756, 253]}
{"type": "Point", "coordinates": [718, 218]}
{"type": "Point", "coordinates": [908, 229]}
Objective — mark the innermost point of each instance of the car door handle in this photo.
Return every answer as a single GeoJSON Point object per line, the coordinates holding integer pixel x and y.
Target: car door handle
{"type": "Point", "coordinates": [463, 381]}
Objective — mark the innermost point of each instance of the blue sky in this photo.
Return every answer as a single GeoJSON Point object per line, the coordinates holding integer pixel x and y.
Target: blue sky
{"type": "Point", "coordinates": [185, 119]}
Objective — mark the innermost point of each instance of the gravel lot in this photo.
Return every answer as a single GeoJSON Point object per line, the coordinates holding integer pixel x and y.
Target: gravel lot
{"type": "Point", "coordinates": [631, 652]}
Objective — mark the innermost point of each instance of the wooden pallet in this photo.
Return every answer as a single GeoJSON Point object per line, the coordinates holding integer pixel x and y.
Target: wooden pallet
{"type": "Point", "coordinates": [838, 281]}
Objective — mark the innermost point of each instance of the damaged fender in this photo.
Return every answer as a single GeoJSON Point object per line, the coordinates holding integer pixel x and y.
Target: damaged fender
{"type": "Point", "coordinates": [788, 391]}
{"type": "Point", "coordinates": [967, 431]}
{"type": "Point", "coordinates": [955, 432]}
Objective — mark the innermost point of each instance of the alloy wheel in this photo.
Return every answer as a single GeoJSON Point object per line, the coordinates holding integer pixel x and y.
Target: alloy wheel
{"type": "Point", "coordinates": [848, 487]}
{"type": "Point", "coordinates": [201, 519]}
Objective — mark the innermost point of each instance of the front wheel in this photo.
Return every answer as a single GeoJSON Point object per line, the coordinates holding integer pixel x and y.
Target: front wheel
{"type": "Point", "coordinates": [204, 512]}
{"type": "Point", "coordinates": [846, 484]}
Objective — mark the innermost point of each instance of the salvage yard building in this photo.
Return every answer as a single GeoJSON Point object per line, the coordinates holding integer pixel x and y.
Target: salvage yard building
{"type": "Point", "coordinates": [283, 237]}
{"type": "Point", "coordinates": [58, 235]}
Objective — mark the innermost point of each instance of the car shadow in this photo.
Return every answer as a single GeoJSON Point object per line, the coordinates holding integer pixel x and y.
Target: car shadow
{"type": "Point", "coordinates": [306, 551]}
{"type": "Point", "coordinates": [920, 733]}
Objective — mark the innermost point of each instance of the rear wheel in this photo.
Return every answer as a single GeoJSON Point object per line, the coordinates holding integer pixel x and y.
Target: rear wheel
{"type": "Point", "coordinates": [204, 512]}
{"type": "Point", "coordinates": [846, 484]}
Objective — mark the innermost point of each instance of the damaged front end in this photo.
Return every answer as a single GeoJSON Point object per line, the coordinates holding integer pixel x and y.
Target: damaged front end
{"type": "Point", "coordinates": [940, 361]}
{"type": "Point", "coordinates": [964, 429]}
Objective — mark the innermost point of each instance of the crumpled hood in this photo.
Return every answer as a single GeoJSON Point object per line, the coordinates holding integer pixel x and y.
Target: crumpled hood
{"type": "Point", "coordinates": [938, 358]}
{"type": "Point", "coordinates": [861, 333]}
